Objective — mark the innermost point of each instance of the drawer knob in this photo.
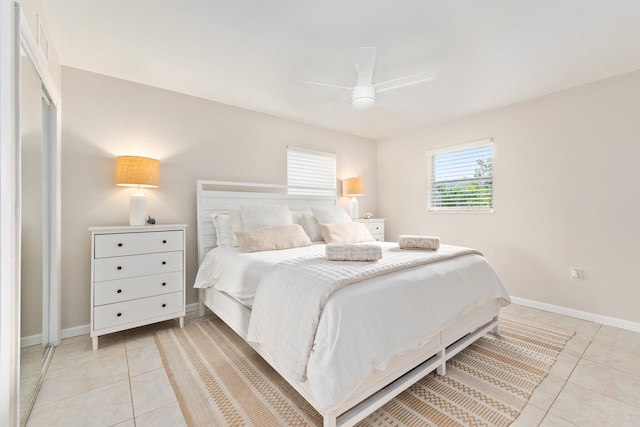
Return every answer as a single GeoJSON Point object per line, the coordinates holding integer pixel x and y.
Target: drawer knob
{"type": "Point", "coordinates": [119, 314]}
{"type": "Point", "coordinates": [164, 283]}
{"type": "Point", "coordinates": [119, 245]}
{"type": "Point", "coordinates": [119, 291]}
{"type": "Point", "coordinates": [164, 241]}
{"type": "Point", "coordinates": [119, 267]}
{"type": "Point", "coordinates": [164, 262]}
{"type": "Point", "coordinates": [164, 305]}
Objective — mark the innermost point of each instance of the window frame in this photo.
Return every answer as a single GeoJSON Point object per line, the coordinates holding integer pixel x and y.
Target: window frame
{"type": "Point", "coordinates": [431, 154]}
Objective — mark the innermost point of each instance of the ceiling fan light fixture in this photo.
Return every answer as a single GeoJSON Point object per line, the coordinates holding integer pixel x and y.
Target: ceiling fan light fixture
{"type": "Point", "coordinates": [363, 98]}
{"type": "Point", "coordinates": [363, 95]}
{"type": "Point", "coordinates": [363, 104]}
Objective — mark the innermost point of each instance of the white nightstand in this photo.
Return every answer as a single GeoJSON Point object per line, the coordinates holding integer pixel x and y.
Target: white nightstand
{"type": "Point", "coordinates": [375, 226]}
{"type": "Point", "coordinates": [137, 277]}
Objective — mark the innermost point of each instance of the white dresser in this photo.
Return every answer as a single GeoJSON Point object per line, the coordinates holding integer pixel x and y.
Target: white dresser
{"type": "Point", "coordinates": [137, 277]}
{"type": "Point", "coordinates": [375, 226]}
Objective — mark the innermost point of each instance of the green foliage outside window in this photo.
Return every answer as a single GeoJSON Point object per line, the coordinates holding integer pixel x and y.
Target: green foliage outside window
{"type": "Point", "coordinates": [472, 192]}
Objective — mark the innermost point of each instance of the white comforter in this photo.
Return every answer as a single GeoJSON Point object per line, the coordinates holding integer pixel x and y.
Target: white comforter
{"type": "Point", "coordinates": [365, 325]}
{"type": "Point", "coordinates": [305, 284]}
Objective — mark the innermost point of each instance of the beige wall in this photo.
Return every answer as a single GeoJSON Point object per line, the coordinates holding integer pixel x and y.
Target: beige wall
{"type": "Point", "coordinates": [193, 138]}
{"type": "Point", "coordinates": [566, 194]}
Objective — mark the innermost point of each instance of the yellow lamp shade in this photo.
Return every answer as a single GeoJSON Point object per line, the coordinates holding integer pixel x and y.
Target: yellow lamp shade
{"type": "Point", "coordinates": [353, 187]}
{"type": "Point", "coordinates": [135, 171]}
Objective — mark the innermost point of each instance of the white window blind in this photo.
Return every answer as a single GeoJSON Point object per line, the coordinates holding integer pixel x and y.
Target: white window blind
{"type": "Point", "coordinates": [310, 171]}
{"type": "Point", "coordinates": [460, 178]}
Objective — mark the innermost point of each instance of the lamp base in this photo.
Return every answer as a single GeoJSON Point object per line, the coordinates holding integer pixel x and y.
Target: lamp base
{"type": "Point", "coordinates": [138, 211]}
{"type": "Point", "coordinates": [354, 208]}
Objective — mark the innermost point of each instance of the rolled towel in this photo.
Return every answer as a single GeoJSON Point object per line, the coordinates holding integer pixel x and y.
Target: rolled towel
{"type": "Point", "coordinates": [419, 242]}
{"type": "Point", "coordinates": [353, 252]}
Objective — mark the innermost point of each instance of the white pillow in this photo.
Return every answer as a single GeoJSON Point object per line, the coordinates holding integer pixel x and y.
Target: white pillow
{"type": "Point", "coordinates": [330, 214]}
{"type": "Point", "coordinates": [254, 217]}
{"type": "Point", "coordinates": [353, 232]}
{"type": "Point", "coordinates": [224, 233]}
{"type": "Point", "coordinates": [296, 217]}
{"type": "Point", "coordinates": [311, 227]}
{"type": "Point", "coordinates": [236, 224]}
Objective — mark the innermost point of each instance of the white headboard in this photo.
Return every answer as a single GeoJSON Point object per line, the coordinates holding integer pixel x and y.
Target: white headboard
{"type": "Point", "coordinates": [220, 196]}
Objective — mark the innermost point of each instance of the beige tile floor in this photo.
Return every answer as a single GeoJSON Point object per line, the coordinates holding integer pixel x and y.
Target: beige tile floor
{"type": "Point", "coordinates": [596, 381]}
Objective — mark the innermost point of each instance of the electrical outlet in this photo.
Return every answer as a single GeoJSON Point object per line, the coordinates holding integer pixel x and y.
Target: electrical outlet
{"type": "Point", "coordinates": [576, 273]}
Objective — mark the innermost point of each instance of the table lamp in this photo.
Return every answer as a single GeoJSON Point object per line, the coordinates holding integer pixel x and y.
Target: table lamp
{"type": "Point", "coordinates": [134, 171]}
{"type": "Point", "coordinates": [352, 187]}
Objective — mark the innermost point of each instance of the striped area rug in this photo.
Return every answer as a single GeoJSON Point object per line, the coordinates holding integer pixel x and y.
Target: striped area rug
{"type": "Point", "coordinates": [220, 381]}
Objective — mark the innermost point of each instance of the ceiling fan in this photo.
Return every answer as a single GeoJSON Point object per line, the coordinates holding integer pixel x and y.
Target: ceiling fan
{"type": "Point", "coordinates": [363, 94]}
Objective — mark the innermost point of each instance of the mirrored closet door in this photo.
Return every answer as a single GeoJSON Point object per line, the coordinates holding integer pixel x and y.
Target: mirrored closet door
{"type": "Point", "coordinates": [38, 197]}
{"type": "Point", "coordinates": [34, 340]}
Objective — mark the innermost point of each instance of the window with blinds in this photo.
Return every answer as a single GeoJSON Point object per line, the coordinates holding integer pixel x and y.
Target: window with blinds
{"type": "Point", "coordinates": [460, 178]}
{"type": "Point", "coordinates": [311, 172]}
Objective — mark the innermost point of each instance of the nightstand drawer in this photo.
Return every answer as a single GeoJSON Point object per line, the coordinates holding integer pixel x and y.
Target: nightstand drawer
{"type": "Point", "coordinates": [120, 244]}
{"type": "Point", "coordinates": [137, 287]}
{"type": "Point", "coordinates": [110, 315]}
{"type": "Point", "coordinates": [136, 265]}
{"type": "Point", "coordinates": [375, 227]}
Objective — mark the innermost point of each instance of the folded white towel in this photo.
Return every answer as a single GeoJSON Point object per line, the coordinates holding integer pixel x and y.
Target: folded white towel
{"type": "Point", "coordinates": [419, 242]}
{"type": "Point", "coordinates": [353, 252]}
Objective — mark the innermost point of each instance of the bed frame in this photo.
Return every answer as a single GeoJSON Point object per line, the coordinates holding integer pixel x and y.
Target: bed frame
{"type": "Point", "coordinates": [381, 386]}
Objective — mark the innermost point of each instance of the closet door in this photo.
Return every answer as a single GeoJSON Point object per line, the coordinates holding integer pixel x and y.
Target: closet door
{"type": "Point", "coordinates": [37, 177]}
{"type": "Point", "coordinates": [32, 198]}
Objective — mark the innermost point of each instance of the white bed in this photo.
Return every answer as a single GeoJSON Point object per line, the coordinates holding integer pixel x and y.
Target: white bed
{"type": "Point", "coordinates": [342, 388]}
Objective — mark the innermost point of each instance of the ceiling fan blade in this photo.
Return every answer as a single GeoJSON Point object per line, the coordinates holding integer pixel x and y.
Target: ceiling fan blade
{"type": "Point", "coordinates": [405, 81]}
{"type": "Point", "coordinates": [337, 106]}
{"type": "Point", "coordinates": [366, 63]}
{"type": "Point", "coordinates": [324, 85]}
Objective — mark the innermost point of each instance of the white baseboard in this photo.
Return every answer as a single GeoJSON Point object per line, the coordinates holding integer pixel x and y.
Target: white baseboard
{"type": "Point", "coordinates": [578, 314]}
{"type": "Point", "coordinates": [191, 307]}
{"type": "Point", "coordinates": [85, 329]}
{"type": "Point", "coordinates": [30, 340]}
{"type": "Point", "coordinates": [76, 331]}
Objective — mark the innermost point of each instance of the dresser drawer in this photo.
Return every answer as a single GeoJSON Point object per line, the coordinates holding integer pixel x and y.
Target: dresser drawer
{"type": "Point", "coordinates": [110, 315]}
{"type": "Point", "coordinates": [120, 244]}
{"type": "Point", "coordinates": [137, 287]}
{"type": "Point", "coordinates": [136, 265]}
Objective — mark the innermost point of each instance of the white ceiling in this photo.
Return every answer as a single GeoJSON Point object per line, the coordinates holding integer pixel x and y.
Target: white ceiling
{"type": "Point", "coordinates": [251, 53]}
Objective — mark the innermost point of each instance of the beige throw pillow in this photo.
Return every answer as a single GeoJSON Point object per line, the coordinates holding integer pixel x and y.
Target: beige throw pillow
{"type": "Point", "coordinates": [346, 232]}
{"type": "Point", "coordinates": [272, 238]}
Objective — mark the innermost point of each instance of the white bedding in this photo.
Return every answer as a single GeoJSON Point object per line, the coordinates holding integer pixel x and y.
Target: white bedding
{"type": "Point", "coordinates": [238, 274]}
{"type": "Point", "coordinates": [367, 324]}
{"type": "Point", "coordinates": [305, 284]}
